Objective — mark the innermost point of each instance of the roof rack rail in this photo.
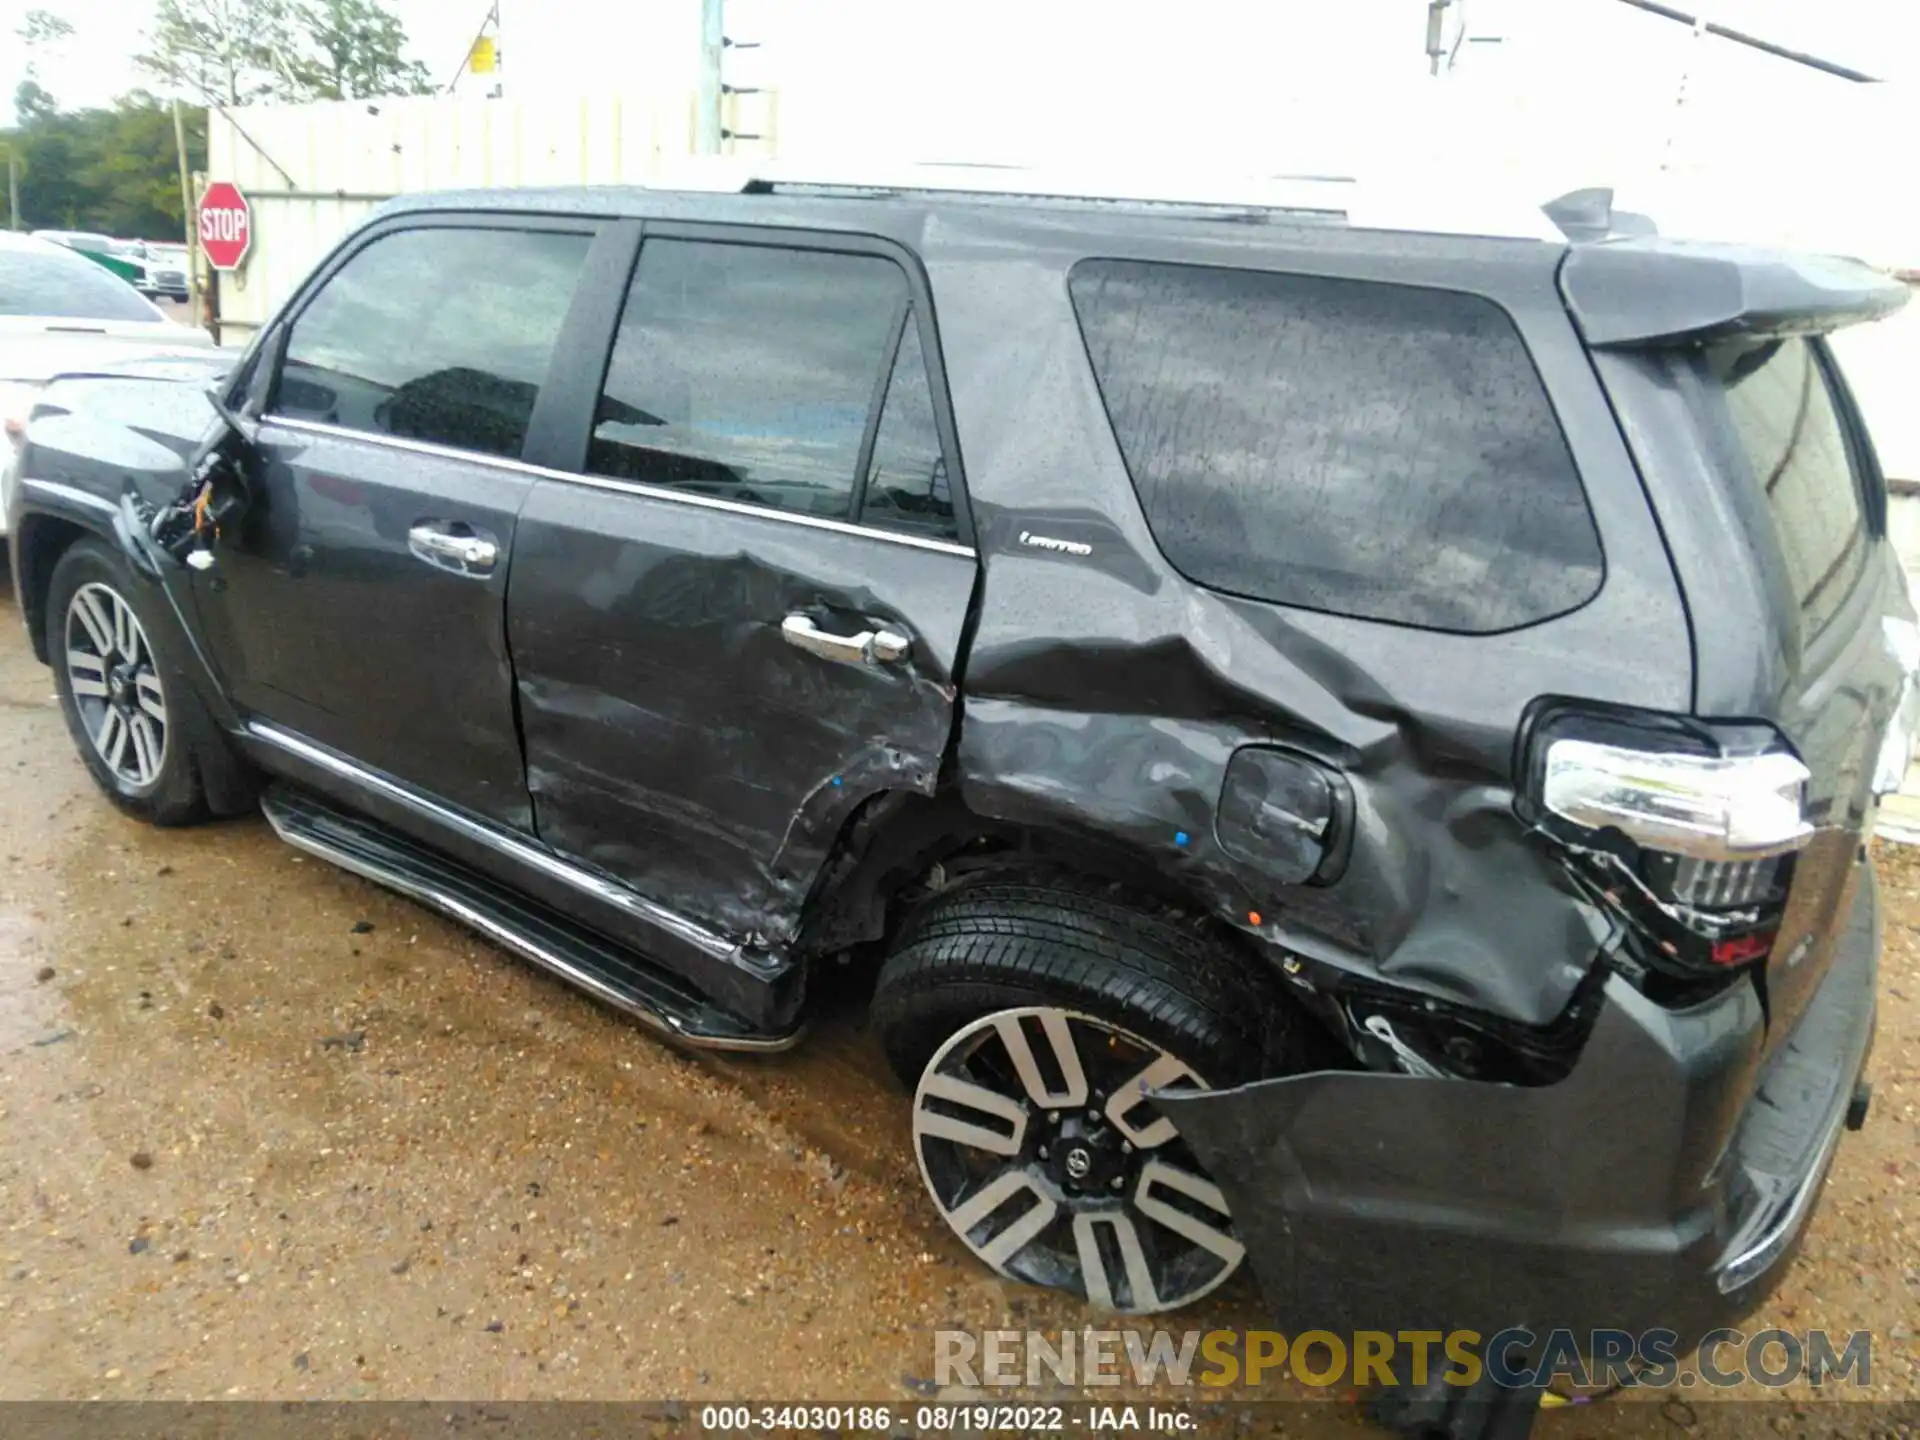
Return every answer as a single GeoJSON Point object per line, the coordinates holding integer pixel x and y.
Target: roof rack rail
{"type": "Point", "coordinates": [1444, 207]}
{"type": "Point", "coordinates": [757, 176]}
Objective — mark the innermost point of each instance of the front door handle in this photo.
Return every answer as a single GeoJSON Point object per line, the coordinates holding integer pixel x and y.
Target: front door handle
{"type": "Point", "coordinates": [447, 548]}
{"type": "Point", "coordinates": [866, 648]}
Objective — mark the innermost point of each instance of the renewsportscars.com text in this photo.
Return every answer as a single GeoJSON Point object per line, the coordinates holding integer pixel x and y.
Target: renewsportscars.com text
{"type": "Point", "coordinates": [1515, 1358]}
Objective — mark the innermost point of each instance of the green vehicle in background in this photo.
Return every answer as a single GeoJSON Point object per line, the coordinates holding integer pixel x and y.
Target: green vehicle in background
{"type": "Point", "coordinates": [98, 248]}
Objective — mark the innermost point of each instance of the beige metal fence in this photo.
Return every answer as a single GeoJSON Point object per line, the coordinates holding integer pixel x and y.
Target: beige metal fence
{"type": "Point", "coordinates": [311, 172]}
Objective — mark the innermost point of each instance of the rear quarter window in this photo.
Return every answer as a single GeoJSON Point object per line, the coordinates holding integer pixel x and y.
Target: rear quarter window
{"type": "Point", "coordinates": [1368, 449]}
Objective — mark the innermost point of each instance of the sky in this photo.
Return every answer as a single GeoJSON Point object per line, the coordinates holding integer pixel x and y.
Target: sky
{"type": "Point", "coordinates": [851, 47]}
{"type": "Point", "coordinates": [1595, 90]}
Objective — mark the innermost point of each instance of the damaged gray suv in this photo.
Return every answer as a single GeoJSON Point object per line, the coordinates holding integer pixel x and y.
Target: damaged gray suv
{"type": "Point", "coordinates": [1344, 750]}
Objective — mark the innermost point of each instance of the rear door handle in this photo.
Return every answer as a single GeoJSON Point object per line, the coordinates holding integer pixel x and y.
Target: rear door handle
{"type": "Point", "coordinates": [453, 547]}
{"type": "Point", "coordinates": [866, 648]}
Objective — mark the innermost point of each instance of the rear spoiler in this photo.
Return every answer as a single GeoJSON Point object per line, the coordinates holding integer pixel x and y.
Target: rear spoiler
{"type": "Point", "coordinates": [1647, 291]}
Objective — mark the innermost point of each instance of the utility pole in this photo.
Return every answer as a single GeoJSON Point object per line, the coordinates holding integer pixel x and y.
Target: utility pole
{"type": "Point", "coordinates": [1436, 26]}
{"type": "Point", "coordinates": [713, 40]}
{"type": "Point", "coordinates": [13, 190]}
{"type": "Point", "coordinates": [187, 218]}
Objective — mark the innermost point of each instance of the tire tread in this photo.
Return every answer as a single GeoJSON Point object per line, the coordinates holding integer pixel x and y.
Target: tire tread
{"type": "Point", "coordinates": [999, 941]}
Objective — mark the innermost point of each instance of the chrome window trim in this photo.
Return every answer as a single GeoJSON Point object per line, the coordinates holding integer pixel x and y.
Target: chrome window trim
{"type": "Point", "coordinates": [609, 891]}
{"type": "Point", "coordinates": [618, 487]}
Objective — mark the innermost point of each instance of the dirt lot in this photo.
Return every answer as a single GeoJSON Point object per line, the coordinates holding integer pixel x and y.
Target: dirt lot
{"type": "Point", "coordinates": [269, 1132]}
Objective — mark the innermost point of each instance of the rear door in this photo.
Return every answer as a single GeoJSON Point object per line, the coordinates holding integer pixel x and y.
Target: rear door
{"type": "Point", "coordinates": [740, 613]}
{"type": "Point", "coordinates": [362, 604]}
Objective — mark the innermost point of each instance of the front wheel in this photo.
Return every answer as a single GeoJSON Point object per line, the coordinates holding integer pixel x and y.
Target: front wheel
{"type": "Point", "coordinates": [1032, 1021]}
{"type": "Point", "coordinates": [141, 730]}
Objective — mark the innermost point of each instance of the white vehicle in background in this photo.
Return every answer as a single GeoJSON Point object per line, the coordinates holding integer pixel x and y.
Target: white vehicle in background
{"type": "Point", "coordinates": [162, 268]}
{"type": "Point", "coordinates": [88, 242]}
{"type": "Point", "coordinates": [61, 313]}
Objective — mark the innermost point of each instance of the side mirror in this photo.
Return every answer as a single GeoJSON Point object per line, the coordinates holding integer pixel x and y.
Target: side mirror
{"type": "Point", "coordinates": [257, 367]}
{"type": "Point", "coordinates": [241, 425]}
{"type": "Point", "coordinates": [218, 491]}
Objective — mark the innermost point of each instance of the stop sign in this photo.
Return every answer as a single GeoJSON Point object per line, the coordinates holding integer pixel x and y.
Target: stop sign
{"type": "Point", "coordinates": [226, 225]}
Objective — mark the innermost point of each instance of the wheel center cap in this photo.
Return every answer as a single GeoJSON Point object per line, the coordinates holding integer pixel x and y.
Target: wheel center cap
{"type": "Point", "coordinates": [1079, 1162]}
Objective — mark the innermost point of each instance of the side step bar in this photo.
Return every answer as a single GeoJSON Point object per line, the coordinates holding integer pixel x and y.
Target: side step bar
{"type": "Point", "coordinates": [577, 955]}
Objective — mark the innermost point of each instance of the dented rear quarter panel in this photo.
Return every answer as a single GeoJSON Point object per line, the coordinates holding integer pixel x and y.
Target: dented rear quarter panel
{"type": "Point", "coordinates": [1105, 694]}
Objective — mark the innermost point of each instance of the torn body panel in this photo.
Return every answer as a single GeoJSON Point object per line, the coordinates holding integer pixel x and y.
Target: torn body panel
{"type": "Point", "coordinates": [676, 737]}
{"type": "Point", "coordinates": [1123, 722]}
{"type": "Point", "coordinates": [104, 453]}
{"type": "Point", "coordinates": [1661, 1184]}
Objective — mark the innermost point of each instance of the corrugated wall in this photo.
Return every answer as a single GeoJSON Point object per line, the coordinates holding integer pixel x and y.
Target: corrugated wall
{"type": "Point", "coordinates": [311, 172]}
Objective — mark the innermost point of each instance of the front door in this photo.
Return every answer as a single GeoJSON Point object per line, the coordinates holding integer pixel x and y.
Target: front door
{"type": "Point", "coordinates": [743, 619]}
{"type": "Point", "coordinates": [363, 602]}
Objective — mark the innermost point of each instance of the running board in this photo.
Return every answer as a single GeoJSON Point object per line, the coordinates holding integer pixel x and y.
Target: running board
{"type": "Point", "coordinates": [577, 955]}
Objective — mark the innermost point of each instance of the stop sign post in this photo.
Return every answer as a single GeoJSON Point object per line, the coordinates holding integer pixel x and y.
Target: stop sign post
{"type": "Point", "coordinates": [226, 226]}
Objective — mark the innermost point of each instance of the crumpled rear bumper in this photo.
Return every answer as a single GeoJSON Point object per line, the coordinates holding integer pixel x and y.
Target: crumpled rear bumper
{"type": "Point", "coordinates": [1663, 1184]}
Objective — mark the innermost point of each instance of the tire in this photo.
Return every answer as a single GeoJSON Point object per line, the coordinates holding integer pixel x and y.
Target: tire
{"type": "Point", "coordinates": [1029, 1018]}
{"type": "Point", "coordinates": [1002, 942]}
{"type": "Point", "coordinates": [155, 762]}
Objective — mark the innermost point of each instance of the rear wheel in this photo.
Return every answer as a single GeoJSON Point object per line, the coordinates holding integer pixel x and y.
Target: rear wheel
{"type": "Point", "coordinates": [1031, 1021]}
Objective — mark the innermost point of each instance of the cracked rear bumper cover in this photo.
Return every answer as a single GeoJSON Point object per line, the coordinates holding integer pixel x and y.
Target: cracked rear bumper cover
{"type": "Point", "coordinates": [1662, 1185]}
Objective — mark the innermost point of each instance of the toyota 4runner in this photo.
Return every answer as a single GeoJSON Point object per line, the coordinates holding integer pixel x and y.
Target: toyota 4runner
{"type": "Point", "coordinates": [1349, 748]}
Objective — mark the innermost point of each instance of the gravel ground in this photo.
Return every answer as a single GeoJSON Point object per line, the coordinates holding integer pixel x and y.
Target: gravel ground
{"type": "Point", "coordinates": [269, 1132]}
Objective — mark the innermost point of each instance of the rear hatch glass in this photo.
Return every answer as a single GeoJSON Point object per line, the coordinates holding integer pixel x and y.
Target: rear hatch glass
{"type": "Point", "coordinates": [1783, 413]}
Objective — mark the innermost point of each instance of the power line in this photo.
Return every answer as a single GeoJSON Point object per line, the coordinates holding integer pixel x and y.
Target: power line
{"type": "Point", "coordinates": [1740, 37]}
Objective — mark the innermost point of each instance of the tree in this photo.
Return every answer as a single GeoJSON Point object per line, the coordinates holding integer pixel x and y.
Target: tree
{"type": "Point", "coordinates": [355, 52]}
{"type": "Point", "coordinates": [40, 31]}
{"type": "Point", "coordinates": [222, 52]}
{"type": "Point", "coordinates": [110, 170]}
{"type": "Point", "coordinates": [32, 101]}
{"type": "Point", "coordinates": [239, 52]}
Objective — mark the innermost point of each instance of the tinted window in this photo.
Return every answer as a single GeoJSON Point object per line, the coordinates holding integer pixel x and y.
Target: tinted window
{"type": "Point", "coordinates": [437, 334]}
{"type": "Point", "coordinates": [64, 285]}
{"type": "Point", "coordinates": [907, 485]}
{"type": "Point", "coordinates": [1784, 414]}
{"type": "Point", "coordinates": [747, 372]}
{"type": "Point", "coordinates": [1370, 449]}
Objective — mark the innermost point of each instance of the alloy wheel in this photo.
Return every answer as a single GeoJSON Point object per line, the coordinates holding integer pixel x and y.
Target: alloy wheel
{"type": "Point", "coordinates": [1037, 1141]}
{"type": "Point", "coordinates": [116, 687]}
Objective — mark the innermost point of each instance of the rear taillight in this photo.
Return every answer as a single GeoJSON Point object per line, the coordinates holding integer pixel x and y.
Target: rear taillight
{"type": "Point", "coordinates": [1717, 884]}
{"type": "Point", "coordinates": [1687, 829]}
{"type": "Point", "coordinates": [1725, 809]}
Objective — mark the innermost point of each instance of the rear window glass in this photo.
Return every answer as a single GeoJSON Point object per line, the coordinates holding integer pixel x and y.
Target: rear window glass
{"type": "Point", "coordinates": [1375, 450]}
{"type": "Point", "coordinates": [748, 372]}
{"type": "Point", "coordinates": [64, 285]}
{"type": "Point", "coordinates": [1784, 416]}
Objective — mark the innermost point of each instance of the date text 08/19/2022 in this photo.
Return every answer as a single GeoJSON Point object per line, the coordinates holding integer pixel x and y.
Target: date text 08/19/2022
{"type": "Point", "coordinates": [943, 1418]}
